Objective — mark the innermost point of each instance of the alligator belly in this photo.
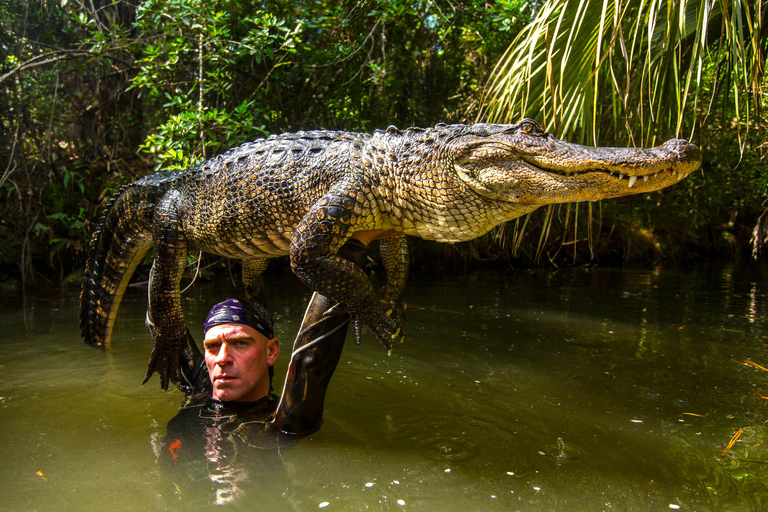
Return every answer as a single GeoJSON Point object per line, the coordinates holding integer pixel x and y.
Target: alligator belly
{"type": "Point", "coordinates": [245, 248]}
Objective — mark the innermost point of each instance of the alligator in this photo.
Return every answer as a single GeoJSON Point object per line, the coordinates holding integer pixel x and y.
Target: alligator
{"type": "Point", "coordinates": [305, 194]}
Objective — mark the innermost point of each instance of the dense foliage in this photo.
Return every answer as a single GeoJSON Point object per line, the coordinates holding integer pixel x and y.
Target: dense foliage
{"type": "Point", "coordinates": [94, 93]}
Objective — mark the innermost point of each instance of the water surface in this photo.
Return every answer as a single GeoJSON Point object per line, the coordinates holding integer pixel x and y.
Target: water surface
{"type": "Point", "coordinates": [579, 389]}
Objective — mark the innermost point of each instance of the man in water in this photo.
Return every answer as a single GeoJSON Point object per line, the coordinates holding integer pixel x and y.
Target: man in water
{"type": "Point", "coordinates": [231, 424]}
{"type": "Point", "coordinates": [230, 383]}
{"type": "Point", "coordinates": [232, 378]}
{"type": "Point", "coordinates": [229, 431]}
{"type": "Point", "coordinates": [234, 375]}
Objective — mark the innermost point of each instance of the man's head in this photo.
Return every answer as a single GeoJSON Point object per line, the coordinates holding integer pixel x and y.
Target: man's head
{"type": "Point", "coordinates": [239, 349]}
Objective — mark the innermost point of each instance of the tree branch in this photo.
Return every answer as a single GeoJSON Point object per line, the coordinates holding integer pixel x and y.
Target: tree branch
{"type": "Point", "coordinates": [55, 56]}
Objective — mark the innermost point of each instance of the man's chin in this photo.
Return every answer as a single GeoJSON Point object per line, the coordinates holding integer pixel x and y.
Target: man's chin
{"type": "Point", "coordinates": [225, 392]}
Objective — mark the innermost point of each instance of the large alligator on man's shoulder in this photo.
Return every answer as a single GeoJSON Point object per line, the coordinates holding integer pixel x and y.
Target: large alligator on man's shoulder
{"type": "Point", "coordinates": [306, 193]}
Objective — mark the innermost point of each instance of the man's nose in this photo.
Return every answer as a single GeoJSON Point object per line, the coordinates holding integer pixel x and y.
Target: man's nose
{"type": "Point", "coordinates": [223, 356]}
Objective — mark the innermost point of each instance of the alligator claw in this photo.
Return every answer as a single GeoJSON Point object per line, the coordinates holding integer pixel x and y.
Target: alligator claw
{"type": "Point", "coordinates": [357, 330]}
{"type": "Point", "coordinates": [381, 325]}
{"type": "Point", "coordinates": [167, 357]}
{"type": "Point", "coordinates": [379, 329]}
{"type": "Point", "coordinates": [385, 325]}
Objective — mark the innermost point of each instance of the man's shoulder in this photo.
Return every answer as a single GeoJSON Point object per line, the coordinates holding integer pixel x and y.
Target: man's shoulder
{"type": "Point", "coordinates": [262, 410]}
{"type": "Point", "coordinates": [190, 417]}
{"type": "Point", "coordinates": [197, 400]}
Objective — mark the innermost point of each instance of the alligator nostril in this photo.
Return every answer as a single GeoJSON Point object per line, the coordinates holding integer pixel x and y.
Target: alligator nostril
{"type": "Point", "coordinates": [676, 144]}
{"type": "Point", "coordinates": [688, 154]}
{"type": "Point", "coordinates": [683, 147]}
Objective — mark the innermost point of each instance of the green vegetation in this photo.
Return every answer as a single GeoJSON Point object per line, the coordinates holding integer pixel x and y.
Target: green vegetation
{"type": "Point", "coordinates": [95, 94]}
{"type": "Point", "coordinates": [638, 73]}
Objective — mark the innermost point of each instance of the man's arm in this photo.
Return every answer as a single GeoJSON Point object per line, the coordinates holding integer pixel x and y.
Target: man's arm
{"type": "Point", "coordinates": [315, 355]}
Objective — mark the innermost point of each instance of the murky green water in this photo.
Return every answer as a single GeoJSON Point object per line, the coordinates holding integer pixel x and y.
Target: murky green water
{"type": "Point", "coordinates": [544, 390]}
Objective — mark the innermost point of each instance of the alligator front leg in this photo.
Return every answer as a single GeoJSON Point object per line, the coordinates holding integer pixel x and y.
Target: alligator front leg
{"type": "Point", "coordinates": [170, 347]}
{"type": "Point", "coordinates": [315, 243]}
{"type": "Point", "coordinates": [395, 259]}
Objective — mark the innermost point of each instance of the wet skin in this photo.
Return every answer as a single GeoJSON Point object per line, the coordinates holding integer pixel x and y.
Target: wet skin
{"type": "Point", "coordinates": [238, 358]}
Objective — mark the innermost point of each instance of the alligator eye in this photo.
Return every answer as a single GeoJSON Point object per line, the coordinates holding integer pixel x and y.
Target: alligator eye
{"type": "Point", "coordinates": [529, 126]}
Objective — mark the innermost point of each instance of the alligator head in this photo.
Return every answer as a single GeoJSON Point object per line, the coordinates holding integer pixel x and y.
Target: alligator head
{"type": "Point", "coordinates": [524, 165]}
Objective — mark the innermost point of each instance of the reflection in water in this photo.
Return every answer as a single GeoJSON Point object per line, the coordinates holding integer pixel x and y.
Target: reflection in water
{"type": "Point", "coordinates": [583, 389]}
{"type": "Point", "coordinates": [222, 471]}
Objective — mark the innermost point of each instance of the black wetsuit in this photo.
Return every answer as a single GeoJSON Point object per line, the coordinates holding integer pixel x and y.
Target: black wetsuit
{"type": "Point", "coordinates": [219, 452]}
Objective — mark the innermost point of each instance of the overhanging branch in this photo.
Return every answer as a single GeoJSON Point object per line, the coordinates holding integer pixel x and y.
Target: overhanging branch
{"type": "Point", "coordinates": [52, 57]}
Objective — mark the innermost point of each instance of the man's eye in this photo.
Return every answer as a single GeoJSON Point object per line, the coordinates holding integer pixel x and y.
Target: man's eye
{"type": "Point", "coordinates": [213, 347]}
{"type": "Point", "coordinates": [242, 343]}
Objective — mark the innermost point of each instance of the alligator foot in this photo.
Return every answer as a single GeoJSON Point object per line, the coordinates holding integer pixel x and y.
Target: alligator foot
{"type": "Point", "coordinates": [168, 355]}
{"type": "Point", "coordinates": [384, 325]}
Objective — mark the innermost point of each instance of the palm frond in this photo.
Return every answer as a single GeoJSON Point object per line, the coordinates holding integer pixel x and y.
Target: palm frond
{"type": "Point", "coordinates": [628, 70]}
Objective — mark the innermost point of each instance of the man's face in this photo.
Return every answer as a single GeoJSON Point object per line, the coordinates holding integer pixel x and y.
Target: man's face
{"type": "Point", "coordinates": [238, 357]}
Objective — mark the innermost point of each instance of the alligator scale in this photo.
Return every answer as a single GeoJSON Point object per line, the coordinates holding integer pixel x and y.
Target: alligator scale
{"type": "Point", "coordinates": [305, 194]}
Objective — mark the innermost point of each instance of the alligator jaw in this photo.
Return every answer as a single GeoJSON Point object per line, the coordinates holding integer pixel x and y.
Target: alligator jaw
{"type": "Point", "coordinates": [616, 172]}
{"type": "Point", "coordinates": [547, 170]}
{"type": "Point", "coordinates": [594, 185]}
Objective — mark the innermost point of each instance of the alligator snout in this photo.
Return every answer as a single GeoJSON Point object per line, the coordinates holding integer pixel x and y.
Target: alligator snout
{"type": "Point", "coordinates": [688, 153]}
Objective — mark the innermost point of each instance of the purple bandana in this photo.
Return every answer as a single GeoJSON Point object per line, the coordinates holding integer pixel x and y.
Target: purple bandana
{"type": "Point", "coordinates": [241, 311]}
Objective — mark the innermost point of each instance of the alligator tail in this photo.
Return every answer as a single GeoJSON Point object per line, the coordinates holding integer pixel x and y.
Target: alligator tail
{"type": "Point", "coordinates": [120, 241]}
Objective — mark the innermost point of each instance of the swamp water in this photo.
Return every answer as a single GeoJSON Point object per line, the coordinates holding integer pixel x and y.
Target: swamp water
{"type": "Point", "coordinates": [569, 390]}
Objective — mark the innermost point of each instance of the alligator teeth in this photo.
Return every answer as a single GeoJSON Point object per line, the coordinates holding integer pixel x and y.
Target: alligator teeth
{"type": "Point", "coordinates": [645, 178]}
{"type": "Point", "coordinates": [632, 180]}
{"type": "Point", "coordinates": [621, 176]}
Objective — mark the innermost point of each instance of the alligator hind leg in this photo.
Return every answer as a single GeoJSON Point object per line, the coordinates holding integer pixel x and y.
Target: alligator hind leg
{"type": "Point", "coordinates": [170, 347]}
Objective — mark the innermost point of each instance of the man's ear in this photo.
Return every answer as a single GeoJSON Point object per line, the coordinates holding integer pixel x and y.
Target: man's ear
{"type": "Point", "coordinates": [273, 350]}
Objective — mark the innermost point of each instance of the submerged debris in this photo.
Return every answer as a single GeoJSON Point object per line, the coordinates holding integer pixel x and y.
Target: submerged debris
{"type": "Point", "coordinates": [732, 441]}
